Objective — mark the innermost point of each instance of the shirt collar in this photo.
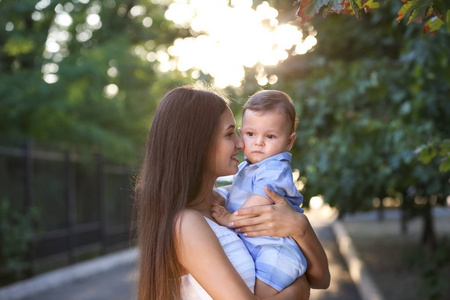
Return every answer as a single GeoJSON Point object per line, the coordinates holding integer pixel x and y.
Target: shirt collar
{"type": "Point", "coordinates": [279, 157]}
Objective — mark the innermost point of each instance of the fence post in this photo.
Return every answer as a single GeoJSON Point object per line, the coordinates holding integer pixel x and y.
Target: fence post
{"type": "Point", "coordinates": [29, 200]}
{"type": "Point", "coordinates": [71, 207]}
{"type": "Point", "coordinates": [101, 202]}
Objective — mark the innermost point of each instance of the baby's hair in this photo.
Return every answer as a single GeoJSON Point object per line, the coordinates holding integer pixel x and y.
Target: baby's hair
{"type": "Point", "coordinates": [272, 100]}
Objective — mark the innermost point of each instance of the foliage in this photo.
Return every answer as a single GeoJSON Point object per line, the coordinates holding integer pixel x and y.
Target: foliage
{"type": "Point", "coordinates": [18, 231]}
{"type": "Point", "coordinates": [369, 95]}
{"type": "Point", "coordinates": [435, 12]}
{"type": "Point", "coordinates": [55, 73]}
{"type": "Point", "coordinates": [441, 149]}
{"type": "Point", "coordinates": [373, 103]}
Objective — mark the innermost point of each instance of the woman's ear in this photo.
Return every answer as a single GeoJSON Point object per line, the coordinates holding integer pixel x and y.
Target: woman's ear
{"type": "Point", "coordinates": [291, 141]}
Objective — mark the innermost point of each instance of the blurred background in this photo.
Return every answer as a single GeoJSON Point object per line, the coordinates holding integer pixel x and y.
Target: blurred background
{"type": "Point", "coordinates": [80, 81]}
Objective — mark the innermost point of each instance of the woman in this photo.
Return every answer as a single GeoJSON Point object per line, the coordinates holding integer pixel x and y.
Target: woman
{"type": "Point", "coordinates": [191, 143]}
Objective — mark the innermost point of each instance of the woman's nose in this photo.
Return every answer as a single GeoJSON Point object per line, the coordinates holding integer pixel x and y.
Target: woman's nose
{"type": "Point", "coordinates": [239, 144]}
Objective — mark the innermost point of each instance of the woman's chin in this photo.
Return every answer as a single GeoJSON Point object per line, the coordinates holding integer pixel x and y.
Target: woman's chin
{"type": "Point", "coordinates": [232, 171]}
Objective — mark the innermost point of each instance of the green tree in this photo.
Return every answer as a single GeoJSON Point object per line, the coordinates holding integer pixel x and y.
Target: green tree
{"type": "Point", "coordinates": [370, 95]}
{"type": "Point", "coordinates": [434, 13]}
{"type": "Point", "coordinates": [83, 74]}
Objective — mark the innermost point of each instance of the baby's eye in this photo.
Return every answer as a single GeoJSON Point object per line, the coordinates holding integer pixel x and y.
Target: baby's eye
{"type": "Point", "coordinates": [250, 133]}
{"type": "Point", "coordinates": [270, 136]}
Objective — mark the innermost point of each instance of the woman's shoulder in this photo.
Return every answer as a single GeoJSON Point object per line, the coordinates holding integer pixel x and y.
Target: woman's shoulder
{"type": "Point", "coordinates": [189, 218]}
{"type": "Point", "coordinates": [193, 235]}
{"type": "Point", "coordinates": [189, 213]}
{"type": "Point", "coordinates": [190, 223]}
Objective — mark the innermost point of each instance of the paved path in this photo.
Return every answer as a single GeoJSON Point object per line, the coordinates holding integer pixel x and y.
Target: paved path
{"type": "Point", "coordinates": [120, 283]}
{"type": "Point", "coordinates": [342, 286]}
{"type": "Point", "coordinates": [115, 284]}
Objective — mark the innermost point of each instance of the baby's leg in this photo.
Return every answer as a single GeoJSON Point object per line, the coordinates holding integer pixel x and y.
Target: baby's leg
{"type": "Point", "coordinates": [263, 289]}
{"type": "Point", "coordinates": [276, 265]}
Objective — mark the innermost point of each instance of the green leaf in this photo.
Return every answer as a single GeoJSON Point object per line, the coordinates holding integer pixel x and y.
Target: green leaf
{"type": "Point", "coordinates": [18, 45]}
{"type": "Point", "coordinates": [403, 10]}
{"type": "Point", "coordinates": [356, 6]}
{"type": "Point", "coordinates": [445, 165]}
{"type": "Point", "coordinates": [432, 25]}
{"type": "Point", "coordinates": [427, 153]}
{"type": "Point", "coordinates": [448, 20]}
{"type": "Point", "coordinates": [445, 148]}
{"type": "Point", "coordinates": [334, 6]}
{"type": "Point", "coordinates": [370, 4]}
{"type": "Point", "coordinates": [418, 10]}
{"type": "Point", "coordinates": [309, 8]}
{"type": "Point", "coordinates": [444, 151]}
{"type": "Point", "coordinates": [415, 10]}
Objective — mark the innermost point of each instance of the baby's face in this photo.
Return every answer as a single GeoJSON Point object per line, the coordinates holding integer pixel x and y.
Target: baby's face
{"type": "Point", "coordinates": [265, 134]}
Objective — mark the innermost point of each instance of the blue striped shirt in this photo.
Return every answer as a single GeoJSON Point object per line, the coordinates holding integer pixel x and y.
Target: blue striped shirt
{"type": "Point", "coordinates": [278, 261]}
{"type": "Point", "coordinates": [274, 171]}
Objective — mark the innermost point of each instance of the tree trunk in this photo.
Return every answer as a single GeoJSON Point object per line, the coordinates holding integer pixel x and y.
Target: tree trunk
{"type": "Point", "coordinates": [380, 211]}
{"type": "Point", "coordinates": [404, 222]}
{"type": "Point", "coordinates": [405, 212]}
{"type": "Point", "coordinates": [428, 233]}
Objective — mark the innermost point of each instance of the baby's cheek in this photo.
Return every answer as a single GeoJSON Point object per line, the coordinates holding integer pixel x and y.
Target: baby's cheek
{"type": "Point", "coordinates": [246, 141]}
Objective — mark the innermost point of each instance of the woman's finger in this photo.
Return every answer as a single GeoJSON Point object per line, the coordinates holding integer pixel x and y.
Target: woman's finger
{"type": "Point", "coordinates": [274, 196]}
{"type": "Point", "coordinates": [251, 228]}
{"type": "Point", "coordinates": [257, 233]}
{"type": "Point", "coordinates": [246, 222]}
{"type": "Point", "coordinates": [258, 225]}
{"type": "Point", "coordinates": [253, 211]}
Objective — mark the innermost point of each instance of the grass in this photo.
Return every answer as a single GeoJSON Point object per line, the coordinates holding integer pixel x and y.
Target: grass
{"type": "Point", "coordinates": [397, 263]}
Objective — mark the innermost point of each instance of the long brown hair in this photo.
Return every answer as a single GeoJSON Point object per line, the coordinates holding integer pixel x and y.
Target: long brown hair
{"type": "Point", "coordinates": [180, 141]}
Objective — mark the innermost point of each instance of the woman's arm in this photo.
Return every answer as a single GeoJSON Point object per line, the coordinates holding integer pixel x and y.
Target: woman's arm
{"type": "Point", "coordinates": [298, 290]}
{"type": "Point", "coordinates": [201, 254]}
{"type": "Point", "coordinates": [281, 220]}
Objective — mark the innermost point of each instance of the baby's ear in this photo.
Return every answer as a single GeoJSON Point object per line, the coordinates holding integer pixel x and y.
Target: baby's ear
{"type": "Point", "coordinates": [240, 131]}
{"type": "Point", "coordinates": [291, 141]}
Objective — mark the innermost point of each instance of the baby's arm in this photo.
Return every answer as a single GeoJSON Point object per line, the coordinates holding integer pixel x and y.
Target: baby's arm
{"type": "Point", "coordinates": [221, 214]}
{"type": "Point", "coordinates": [224, 217]}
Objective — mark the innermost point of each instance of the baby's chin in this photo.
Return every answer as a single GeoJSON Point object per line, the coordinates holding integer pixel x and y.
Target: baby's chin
{"type": "Point", "coordinates": [255, 158]}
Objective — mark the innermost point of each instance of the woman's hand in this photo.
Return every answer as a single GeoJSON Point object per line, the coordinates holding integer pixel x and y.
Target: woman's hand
{"type": "Point", "coordinates": [278, 219]}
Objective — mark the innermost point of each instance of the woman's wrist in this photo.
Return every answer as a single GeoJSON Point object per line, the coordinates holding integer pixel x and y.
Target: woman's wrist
{"type": "Point", "coordinates": [302, 226]}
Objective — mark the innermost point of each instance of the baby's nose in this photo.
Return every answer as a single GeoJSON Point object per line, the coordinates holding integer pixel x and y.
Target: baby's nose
{"type": "Point", "coordinates": [259, 141]}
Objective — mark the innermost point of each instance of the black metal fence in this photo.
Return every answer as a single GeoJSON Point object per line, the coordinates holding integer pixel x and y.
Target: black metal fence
{"type": "Point", "coordinates": [83, 205]}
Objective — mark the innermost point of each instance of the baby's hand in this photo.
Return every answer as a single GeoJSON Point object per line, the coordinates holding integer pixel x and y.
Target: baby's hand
{"type": "Point", "coordinates": [220, 214]}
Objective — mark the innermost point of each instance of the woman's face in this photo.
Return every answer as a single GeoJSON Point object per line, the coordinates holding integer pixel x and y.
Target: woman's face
{"type": "Point", "coordinates": [228, 143]}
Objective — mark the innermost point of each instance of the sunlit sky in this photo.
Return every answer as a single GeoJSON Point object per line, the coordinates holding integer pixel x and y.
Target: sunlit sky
{"type": "Point", "coordinates": [231, 35]}
{"type": "Point", "coordinates": [227, 36]}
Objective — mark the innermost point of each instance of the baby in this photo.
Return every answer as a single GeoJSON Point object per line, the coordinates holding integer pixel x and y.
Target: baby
{"type": "Point", "coordinates": [268, 131]}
